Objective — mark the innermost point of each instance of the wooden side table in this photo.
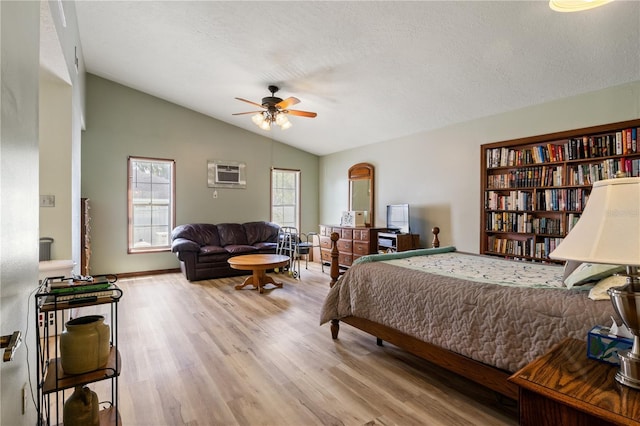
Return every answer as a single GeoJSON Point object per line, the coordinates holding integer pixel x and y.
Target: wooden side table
{"type": "Point", "coordinates": [565, 387]}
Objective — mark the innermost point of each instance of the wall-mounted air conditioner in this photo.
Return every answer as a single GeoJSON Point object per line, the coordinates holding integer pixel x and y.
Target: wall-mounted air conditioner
{"type": "Point", "coordinates": [226, 174]}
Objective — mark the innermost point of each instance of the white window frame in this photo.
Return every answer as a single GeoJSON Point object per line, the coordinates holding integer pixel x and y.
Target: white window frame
{"type": "Point", "coordinates": [276, 196]}
{"type": "Point", "coordinates": [134, 246]}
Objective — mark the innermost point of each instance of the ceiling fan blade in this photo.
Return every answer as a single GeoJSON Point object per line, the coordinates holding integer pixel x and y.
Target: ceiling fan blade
{"type": "Point", "coordinates": [301, 113]}
{"type": "Point", "coordinates": [248, 112]}
{"type": "Point", "coordinates": [287, 103]}
{"type": "Point", "coordinates": [249, 102]}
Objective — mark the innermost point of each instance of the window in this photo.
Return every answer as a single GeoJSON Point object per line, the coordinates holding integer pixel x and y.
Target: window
{"type": "Point", "coordinates": [151, 204]}
{"type": "Point", "coordinates": [285, 197]}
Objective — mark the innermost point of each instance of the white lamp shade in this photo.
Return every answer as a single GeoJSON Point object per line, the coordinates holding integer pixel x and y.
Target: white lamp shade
{"type": "Point", "coordinates": [575, 5]}
{"type": "Point", "coordinates": [609, 229]}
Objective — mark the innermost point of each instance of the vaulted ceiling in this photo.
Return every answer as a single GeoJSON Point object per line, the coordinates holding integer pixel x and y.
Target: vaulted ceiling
{"type": "Point", "coordinates": [373, 71]}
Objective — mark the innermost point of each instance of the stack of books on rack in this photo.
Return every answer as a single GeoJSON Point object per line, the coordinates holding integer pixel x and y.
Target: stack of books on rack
{"type": "Point", "coordinates": [77, 291]}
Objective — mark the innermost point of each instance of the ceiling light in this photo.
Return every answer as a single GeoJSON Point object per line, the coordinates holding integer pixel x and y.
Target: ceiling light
{"type": "Point", "coordinates": [286, 125]}
{"type": "Point", "coordinates": [575, 5]}
{"type": "Point", "coordinates": [265, 125]}
{"type": "Point", "coordinates": [281, 119]}
{"type": "Point", "coordinates": [276, 111]}
{"type": "Point", "coordinates": [258, 119]}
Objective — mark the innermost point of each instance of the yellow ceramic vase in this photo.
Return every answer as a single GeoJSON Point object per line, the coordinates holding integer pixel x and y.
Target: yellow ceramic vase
{"type": "Point", "coordinates": [84, 345]}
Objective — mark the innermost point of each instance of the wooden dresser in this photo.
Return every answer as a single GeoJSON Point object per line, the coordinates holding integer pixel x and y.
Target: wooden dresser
{"type": "Point", "coordinates": [353, 243]}
{"type": "Point", "coordinates": [564, 387]}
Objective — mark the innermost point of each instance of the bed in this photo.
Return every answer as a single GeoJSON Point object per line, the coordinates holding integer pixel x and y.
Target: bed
{"type": "Point", "coordinates": [463, 312]}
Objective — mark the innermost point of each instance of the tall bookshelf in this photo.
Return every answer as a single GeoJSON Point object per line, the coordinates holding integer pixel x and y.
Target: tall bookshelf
{"type": "Point", "coordinates": [534, 189]}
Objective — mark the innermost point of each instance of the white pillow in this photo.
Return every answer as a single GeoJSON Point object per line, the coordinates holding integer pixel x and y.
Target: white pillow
{"type": "Point", "coordinates": [599, 291]}
{"type": "Point", "coordinates": [591, 272]}
{"type": "Point", "coordinates": [569, 267]}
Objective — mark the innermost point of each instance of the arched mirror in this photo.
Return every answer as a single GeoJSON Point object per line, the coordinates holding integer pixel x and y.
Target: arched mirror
{"type": "Point", "coordinates": [361, 190]}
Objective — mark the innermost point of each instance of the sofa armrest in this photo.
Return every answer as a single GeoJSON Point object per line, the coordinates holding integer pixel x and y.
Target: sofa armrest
{"type": "Point", "coordinates": [182, 244]}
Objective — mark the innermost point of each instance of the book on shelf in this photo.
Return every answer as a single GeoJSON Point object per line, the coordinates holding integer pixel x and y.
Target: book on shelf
{"type": "Point", "coordinates": [79, 288]}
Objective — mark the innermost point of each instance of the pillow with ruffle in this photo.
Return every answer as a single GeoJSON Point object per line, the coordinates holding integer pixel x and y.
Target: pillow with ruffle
{"type": "Point", "coordinates": [591, 272]}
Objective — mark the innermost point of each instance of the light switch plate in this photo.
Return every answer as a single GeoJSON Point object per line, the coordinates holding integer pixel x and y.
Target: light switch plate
{"type": "Point", "coordinates": [47, 201]}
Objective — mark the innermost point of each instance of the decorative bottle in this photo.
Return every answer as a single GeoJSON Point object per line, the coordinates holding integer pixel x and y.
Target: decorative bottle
{"type": "Point", "coordinates": [81, 409]}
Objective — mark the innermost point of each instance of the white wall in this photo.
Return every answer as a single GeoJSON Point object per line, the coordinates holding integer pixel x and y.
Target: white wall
{"type": "Point", "coordinates": [19, 40]}
{"type": "Point", "coordinates": [56, 168]}
{"type": "Point", "coordinates": [123, 122]}
{"type": "Point", "coordinates": [19, 183]}
{"type": "Point", "coordinates": [438, 172]}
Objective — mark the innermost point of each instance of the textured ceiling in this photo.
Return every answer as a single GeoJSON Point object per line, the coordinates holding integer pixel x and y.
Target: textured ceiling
{"type": "Point", "coordinates": [373, 71]}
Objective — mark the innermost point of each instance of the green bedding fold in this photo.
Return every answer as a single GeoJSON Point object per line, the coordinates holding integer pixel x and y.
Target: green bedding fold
{"type": "Point", "coordinates": [402, 254]}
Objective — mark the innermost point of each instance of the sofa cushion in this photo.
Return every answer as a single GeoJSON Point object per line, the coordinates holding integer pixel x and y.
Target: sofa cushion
{"type": "Point", "coordinates": [266, 246]}
{"type": "Point", "coordinates": [239, 249]}
{"type": "Point", "coordinates": [232, 233]}
{"type": "Point", "coordinates": [202, 233]}
{"type": "Point", "coordinates": [205, 250]}
{"type": "Point", "coordinates": [258, 232]}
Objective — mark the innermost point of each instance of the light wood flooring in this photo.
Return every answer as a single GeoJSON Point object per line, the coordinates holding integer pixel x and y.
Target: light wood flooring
{"type": "Point", "coordinates": [203, 353]}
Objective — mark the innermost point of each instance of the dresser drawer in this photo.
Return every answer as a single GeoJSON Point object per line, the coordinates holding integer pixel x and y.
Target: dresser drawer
{"type": "Point", "coordinates": [360, 248]}
{"type": "Point", "coordinates": [325, 230]}
{"type": "Point", "coordinates": [361, 234]}
{"type": "Point", "coordinates": [325, 255]}
{"type": "Point", "coordinates": [345, 259]}
{"type": "Point", "coordinates": [347, 234]}
{"type": "Point", "coordinates": [325, 242]}
{"type": "Point", "coordinates": [345, 246]}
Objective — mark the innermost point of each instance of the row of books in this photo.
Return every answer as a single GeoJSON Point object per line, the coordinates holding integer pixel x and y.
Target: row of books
{"type": "Point", "coordinates": [524, 223]}
{"type": "Point", "coordinates": [527, 248]}
{"type": "Point", "coordinates": [587, 174]}
{"type": "Point", "coordinates": [515, 200]}
{"type": "Point", "coordinates": [623, 142]}
{"type": "Point", "coordinates": [566, 199]}
{"type": "Point", "coordinates": [70, 291]}
{"type": "Point", "coordinates": [550, 199]}
{"type": "Point", "coordinates": [528, 177]}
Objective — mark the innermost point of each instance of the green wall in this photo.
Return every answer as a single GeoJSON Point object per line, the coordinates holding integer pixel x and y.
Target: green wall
{"type": "Point", "coordinates": [123, 122]}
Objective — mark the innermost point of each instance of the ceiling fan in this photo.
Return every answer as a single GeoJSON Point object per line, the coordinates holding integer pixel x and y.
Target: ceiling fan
{"type": "Point", "coordinates": [275, 110]}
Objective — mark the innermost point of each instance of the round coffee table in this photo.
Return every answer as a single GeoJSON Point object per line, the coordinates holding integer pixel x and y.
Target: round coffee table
{"type": "Point", "coordinates": [258, 263]}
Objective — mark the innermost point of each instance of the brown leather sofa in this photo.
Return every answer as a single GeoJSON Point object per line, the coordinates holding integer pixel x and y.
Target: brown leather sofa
{"type": "Point", "coordinates": [203, 248]}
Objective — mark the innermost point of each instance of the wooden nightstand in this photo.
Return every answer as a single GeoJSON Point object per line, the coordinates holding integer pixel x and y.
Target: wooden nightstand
{"type": "Point", "coordinates": [564, 387]}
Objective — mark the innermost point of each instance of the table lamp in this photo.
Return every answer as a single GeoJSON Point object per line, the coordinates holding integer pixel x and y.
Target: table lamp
{"type": "Point", "coordinates": [609, 232]}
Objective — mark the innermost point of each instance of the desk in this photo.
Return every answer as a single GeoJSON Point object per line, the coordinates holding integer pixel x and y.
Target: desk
{"type": "Point", "coordinates": [258, 263]}
{"type": "Point", "coordinates": [564, 387]}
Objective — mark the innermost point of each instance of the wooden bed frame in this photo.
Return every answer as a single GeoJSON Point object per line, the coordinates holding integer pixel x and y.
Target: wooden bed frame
{"type": "Point", "coordinates": [484, 374]}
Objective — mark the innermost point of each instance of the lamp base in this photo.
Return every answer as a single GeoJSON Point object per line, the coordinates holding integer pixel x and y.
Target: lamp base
{"type": "Point", "coordinates": [629, 373]}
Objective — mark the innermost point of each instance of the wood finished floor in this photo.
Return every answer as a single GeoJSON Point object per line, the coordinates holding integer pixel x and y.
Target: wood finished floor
{"type": "Point", "coordinates": [203, 353]}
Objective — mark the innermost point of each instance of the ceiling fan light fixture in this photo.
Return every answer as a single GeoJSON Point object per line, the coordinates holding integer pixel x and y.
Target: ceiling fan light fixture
{"type": "Point", "coordinates": [281, 118]}
{"type": "Point", "coordinates": [265, 125]}
{"type": "Point", "coordinates": [285, 126]}
{"type": "Point", "coordinates": [258, 119]}
{"type": "Point", "coordinates": [575, 5]}
{"type": "Point", "coordinates": [276, 110]}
